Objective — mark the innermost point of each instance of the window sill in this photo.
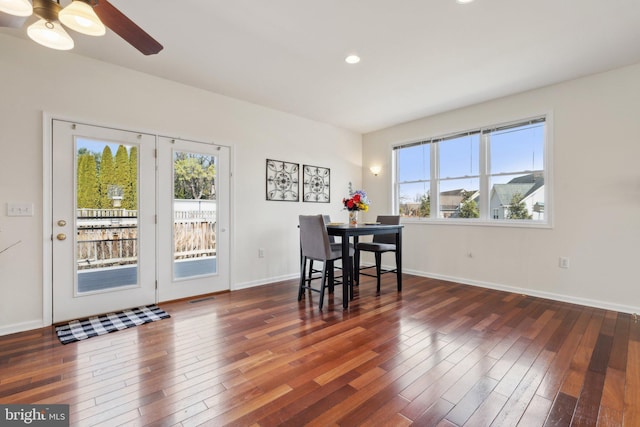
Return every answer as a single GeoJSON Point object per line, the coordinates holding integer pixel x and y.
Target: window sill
{"type": "Point", "coordinates": [478, 223]}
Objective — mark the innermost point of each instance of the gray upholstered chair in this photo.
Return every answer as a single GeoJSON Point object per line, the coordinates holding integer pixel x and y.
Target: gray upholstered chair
{"type": "Point", "coordinates": [315, 245]}
{"type": "Point", "coordinates": [381, 243]}
{"type": "Point", "coordinates": [334, 245]}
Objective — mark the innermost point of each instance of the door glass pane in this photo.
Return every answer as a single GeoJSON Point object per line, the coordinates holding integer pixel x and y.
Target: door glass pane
{"type": "Point", "coordinates": [195, 214]}
{"type": "Point", "coordinates": [107, 215]}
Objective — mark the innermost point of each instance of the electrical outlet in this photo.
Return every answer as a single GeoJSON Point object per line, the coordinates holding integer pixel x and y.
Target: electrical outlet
{"type": "Point", "coordinates": [261, 253]}
{"type": "Point", "coordinates": [563, 262]}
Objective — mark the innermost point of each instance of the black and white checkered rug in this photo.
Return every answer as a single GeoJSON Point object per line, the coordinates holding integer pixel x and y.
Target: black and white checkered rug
{"type": "Point", "coordinates": [77, 330]}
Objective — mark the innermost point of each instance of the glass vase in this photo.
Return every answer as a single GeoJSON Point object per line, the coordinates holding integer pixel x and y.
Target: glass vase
{"type": "Point", "coordinates": [353, 218]}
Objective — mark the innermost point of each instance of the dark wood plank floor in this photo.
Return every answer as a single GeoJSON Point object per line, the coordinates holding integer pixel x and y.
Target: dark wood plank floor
{"type": "Point", "coordinates": [439, 353]}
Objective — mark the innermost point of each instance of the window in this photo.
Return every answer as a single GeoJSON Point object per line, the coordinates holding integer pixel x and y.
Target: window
{"type": "Point", "coordinates": [494, 174]}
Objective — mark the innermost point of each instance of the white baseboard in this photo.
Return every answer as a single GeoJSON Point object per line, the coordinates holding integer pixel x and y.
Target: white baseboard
{"type": "Point", "coordinates": [253, 284]}
{"type": "Point", "coordinates": [21, 327]}
{"type": "Point", "coordinates": [531, 292]}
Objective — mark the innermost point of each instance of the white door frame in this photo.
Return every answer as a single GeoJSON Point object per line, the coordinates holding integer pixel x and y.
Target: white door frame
{"type": "Point", "coordinates": [47, 214]}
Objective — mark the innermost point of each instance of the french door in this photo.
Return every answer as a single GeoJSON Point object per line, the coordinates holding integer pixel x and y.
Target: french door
{"type": "Point", "coordinates": [103, 213]}
{"type": "Point", "coordinates": [193, 201]}
{"type": "Point", "coordinates": [136, 219]}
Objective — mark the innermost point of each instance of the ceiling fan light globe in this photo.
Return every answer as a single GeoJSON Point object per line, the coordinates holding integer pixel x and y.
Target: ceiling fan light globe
{"type": "Point", "coordinates": [16, 7]}
{"type": "Point", "coordinates": [352, 59]}
{"type": "Point", "coordinates": [79, 16]}
{"type": "Point", "coordinates": [50, 34]}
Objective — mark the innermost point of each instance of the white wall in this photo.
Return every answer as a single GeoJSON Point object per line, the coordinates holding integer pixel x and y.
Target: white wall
{"type": "Point", "coordinates": [35, 80]}
{"type": "Point", "coordinates": [596, 197]}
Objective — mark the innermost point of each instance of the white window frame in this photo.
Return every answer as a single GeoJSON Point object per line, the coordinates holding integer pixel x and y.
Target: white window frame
{"type": "Point", "coordinates": [486, 215]}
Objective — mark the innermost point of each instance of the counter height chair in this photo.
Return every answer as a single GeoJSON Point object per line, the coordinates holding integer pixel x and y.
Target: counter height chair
{"type": "Point", "coordinates": [334, 245]}
{"type": "Point", "coordinates": [381, 243]}
{"type": "Point", "coordinates": [316, 246]}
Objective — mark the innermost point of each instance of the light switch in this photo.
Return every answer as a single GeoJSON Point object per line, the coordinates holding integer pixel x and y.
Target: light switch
{"type": "Point", "coordinates": [20, 209]}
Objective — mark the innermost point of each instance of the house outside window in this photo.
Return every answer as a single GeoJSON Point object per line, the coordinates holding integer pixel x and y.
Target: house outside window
{"type": "Point", "coordinates": [497, 174]}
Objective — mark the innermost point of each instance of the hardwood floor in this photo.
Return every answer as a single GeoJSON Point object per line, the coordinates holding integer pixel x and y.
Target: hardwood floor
{"type": "Point", "coordinates": [439, 353]}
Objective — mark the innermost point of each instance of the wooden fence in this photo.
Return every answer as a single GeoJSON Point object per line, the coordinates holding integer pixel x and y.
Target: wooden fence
{"type": "Point", "coordinates": [103, 242]}
{"type": "Point", "coordinates": [105, 247]}
{"type": "Point", "coordinates": [106, 213]}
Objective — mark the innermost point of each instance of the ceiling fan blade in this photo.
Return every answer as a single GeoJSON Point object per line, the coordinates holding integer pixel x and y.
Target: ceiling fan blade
{"type": "Point", "coordinates": [12, 21]}
{"type": "Point", "coordinates": [126, 28]}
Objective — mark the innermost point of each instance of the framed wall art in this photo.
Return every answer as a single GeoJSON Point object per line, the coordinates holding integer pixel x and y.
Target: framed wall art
{"type": "Point", "coordinates": [316, 184]}
{"type": "Point", "coordinates": [283, 181]}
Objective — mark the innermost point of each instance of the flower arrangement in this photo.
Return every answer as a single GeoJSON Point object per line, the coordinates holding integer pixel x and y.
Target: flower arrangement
{"type": "Point", "coordinates": [357, 200]}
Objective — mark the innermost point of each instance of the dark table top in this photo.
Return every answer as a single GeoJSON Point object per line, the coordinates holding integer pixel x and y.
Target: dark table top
{"type": "Point", "coordinates": [362, 229]}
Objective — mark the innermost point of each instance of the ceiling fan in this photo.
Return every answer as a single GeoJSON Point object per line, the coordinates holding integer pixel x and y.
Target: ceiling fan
{"type": "Point", "coordinates": [88, 17]}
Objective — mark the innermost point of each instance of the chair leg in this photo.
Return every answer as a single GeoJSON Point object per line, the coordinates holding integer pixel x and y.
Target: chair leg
{"type": "Point", "coordinates": [331, 273]}
{"type": "Point", "coordinates": [350, 278]}
{"type": "Point", "coordinates": [303, 266]}
{"type": "Point", "coordinates": [378, 269]}
{"type": "Point", "coordinates": [399, 271]}
{"type": "Point", "coordinates": [356, 268]}
{"type": "Point", "coordinates": [323, 285]}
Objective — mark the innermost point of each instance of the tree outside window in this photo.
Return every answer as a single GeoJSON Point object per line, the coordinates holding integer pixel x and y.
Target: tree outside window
{"type": "Point", "coordinates": [518, 209]}
{"type": "Point", "coordinates": [468, 207]}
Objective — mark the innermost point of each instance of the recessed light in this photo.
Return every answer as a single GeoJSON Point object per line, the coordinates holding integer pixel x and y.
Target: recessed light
{"type": "Point", "coordinates": [463, 1]}
{"type": "Point", "coordinates": [352, 59]}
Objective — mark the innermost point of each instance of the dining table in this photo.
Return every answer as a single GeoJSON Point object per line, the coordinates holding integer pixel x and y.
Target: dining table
{"type": "Point", "coordinates": [347, 233]}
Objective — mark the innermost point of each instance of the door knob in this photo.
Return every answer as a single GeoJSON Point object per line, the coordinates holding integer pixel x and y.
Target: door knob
{"type": "Point", "coordinates": [61, 236]}
{"type": "Point", "coordinates": [62, 223]}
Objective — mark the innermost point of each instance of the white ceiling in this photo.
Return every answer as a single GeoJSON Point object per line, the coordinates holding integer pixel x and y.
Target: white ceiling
{"type": "Point", "coordinates": [419, 57]}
